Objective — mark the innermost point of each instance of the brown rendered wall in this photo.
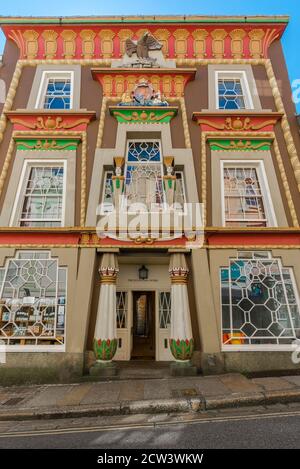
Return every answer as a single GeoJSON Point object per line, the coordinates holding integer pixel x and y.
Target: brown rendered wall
{"type": "Point", "coordinates": [281, 74]}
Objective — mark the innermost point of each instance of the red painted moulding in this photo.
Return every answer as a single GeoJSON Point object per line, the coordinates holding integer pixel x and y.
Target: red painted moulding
{"type": "Point", "coordinates": [224, 121]}
{"type": "Point", "coordinates": [37, 238]}
{"type": "Point", "coordinates": [50, 120]}
{"type": "Point", "coordinates": [244, 238]}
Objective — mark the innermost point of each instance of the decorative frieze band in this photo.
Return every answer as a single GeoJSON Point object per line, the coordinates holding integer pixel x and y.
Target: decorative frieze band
{"type": "Point", "coordinates": [181, 42]}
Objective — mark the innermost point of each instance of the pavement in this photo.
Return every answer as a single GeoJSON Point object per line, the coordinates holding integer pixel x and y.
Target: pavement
{"type": "Point", "coordinates": [145, 396]}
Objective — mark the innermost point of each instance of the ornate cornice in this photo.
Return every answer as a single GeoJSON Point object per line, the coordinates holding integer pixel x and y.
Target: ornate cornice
{"type": "Point", "coordinates": [227, 37]}
{"type": "Point", "coordinates": [50, 120]}
{"type": "Point", "coordinates": [236, 121]}
{"type": "Point", "coordinates": [239, 144]}
{"type": "Point", "coordinates": [143, 114]}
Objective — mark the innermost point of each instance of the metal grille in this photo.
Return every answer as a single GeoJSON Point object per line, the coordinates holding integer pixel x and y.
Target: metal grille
{"type": "Point", "coordinates": [122, 309]}
{"type": "Point", "coordinates": [58, 94]}
{"type": "Point", "coordinates": [43, 198]}
{"type": "Point", "coordinates": [33, 300]}
{"type": "Point", "coordinates": [164, 310]}
{"type": "Point", "coordinates": [243, 198]}
{"type": "Point", "coordinates": [144, 174]}
{"type": "Point", "coordinates": [260, 302]}
{"type": "Point", "coordinates": [231, 94]}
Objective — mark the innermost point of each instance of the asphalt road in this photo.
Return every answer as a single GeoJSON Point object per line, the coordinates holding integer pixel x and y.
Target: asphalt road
{"type": "Point", "coordinates": [252, 429]}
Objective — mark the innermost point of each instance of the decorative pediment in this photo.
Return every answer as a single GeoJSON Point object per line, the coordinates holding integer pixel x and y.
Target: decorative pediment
{"type": "Point", "coordinates": [49, 120]}
{"type": "Point", "coordinates": [239, 122]}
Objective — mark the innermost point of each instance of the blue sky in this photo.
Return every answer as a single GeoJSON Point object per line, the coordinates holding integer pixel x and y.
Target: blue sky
{"type": "Point", "coordinates": [200, 7]}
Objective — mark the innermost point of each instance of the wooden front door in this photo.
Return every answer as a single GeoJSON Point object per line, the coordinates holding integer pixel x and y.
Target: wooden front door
{"type": "Point", "coordinates": [143, 325]}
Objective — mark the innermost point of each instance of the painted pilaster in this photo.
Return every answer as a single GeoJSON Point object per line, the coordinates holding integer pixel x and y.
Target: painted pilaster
{"type": "Point", "coordinates": [181, 338]}
{"type": "Point", "coordinates": [105, 336]}
{"type": "Point", "coordinates": [118, 181]}
{"type": "Point", "coordinates": [169, 180]}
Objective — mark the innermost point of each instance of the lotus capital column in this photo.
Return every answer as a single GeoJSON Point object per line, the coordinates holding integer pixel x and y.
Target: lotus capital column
{"type": "Point", "coordinates": [105, 336]}
{"type": "Point", "coordinates": [181, 338]}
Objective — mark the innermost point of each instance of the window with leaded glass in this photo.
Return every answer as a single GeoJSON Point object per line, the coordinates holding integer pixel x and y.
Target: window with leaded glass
{"type": "Point", "coordinates": [43, 196]}
{"type": "Point", "coordinates": [244, 196]}
{"type": "Point", "coordinates": [232, 90]}
{"type": "Point", "coordinates": [231, 94]}
{"type": "Point", "coordinates": [260, 303]}
{"type": "Point", "coordinates": [33, 300]}
{"type": "Point", "coordinates": [164, 309]}
{"type": "Point", "coordinates": [144, 174]}
{"type": "Point", "coordinates": [58, 94]}
{"type": "Point", "coordinates": [56, 90]}
{"type": "Point", "coordinates": [122, 309]}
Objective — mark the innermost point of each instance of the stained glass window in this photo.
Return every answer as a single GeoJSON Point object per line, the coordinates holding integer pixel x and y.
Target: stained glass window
{"type": "Point", "coordinates": [164, 309]}
{"type": "Point", "coordinates": [231, 94]}
{"type": "Point", "coordinates": [33, 300]}
{"type": "Point", "coordinates": [43, 197]}
{"type": "Point", "coordinates": [243, 197]}
{"type": "Point", "coordinates": [144, 174]}
{"type": "Point", "coordinates": [122, 309]}
{"type": "Point", "coordinates": [260, 303]}
{"type": "Point", "coordinates": [144, 151]}
{"type": "Point", "coordinates": [58, 93]}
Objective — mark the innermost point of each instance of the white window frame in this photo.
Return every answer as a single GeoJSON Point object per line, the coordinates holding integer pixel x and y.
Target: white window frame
{"type": "Point", "coordinates": [258, 347]}
{"type": "Point", "coordinates": [133, 163]}
{"type": "Point", "coordinates": [46, 76]}
{"type": "Point", "coordinates": [234, 74]}
{"type": "Point", "coordinates": [263, 182]}
{"type": "Point", "coordinates": [19, 200]}
{"type": "Point", "coordinates": [39, 348]}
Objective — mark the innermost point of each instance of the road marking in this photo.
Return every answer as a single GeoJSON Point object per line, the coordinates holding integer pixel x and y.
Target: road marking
{"type": "Point", "coordinates": [120, 427]}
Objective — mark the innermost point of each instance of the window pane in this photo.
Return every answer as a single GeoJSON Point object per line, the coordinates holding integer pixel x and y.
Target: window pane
{"type": "Point", "coordinates": [243, 198]}
{"type": "Point", "coordinates": [43, 197]}
{"type": "Point", "coordinates": [231, 94]}
{"type": "Point", "coordinates": [33, 300]}
{"type": "Point", "coordinates": [144, 151]}
{"type": "Point", "coordinates": [144, 174]}
{"type": "Point", "coordinates": [256, 305]}
{"type": "Point", "coordinates": [58, 94]}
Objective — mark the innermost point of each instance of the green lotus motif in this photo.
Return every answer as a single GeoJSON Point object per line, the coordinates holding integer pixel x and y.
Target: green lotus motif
{"type": "Point", "coordinates": [182, 349]}
{"type": "Point", "coordinates": [105, 349]}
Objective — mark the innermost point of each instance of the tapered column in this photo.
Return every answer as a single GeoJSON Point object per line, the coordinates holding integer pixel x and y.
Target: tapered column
{"type": "Point", "coordinates": [181, 339]}
{"type": "Point", "coordinates": [105, 337]}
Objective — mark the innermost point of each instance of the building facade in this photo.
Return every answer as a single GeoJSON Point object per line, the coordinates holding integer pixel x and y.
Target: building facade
{"type": "Point", "coordinates": [103, 116]}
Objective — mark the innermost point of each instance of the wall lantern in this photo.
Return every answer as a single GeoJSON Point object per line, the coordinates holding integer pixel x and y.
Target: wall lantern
{"type": "Point", "coordinates": [143, 273]}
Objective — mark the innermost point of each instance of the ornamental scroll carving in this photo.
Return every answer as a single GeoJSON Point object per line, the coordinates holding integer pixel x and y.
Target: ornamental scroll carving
{"type": "Point", "coordinates": [69, 45]}
{"type": "Point", "coordinates": [50, 43]}
{"type": "Point", "coordinates": [200, 36]}
{"type": "Point", "coordinates": [31, 43]}
{"type": "Point", "coordinates": [256, 46]}
{"type": "Point", "coordinates": [218, 46]}
{"type": "Point", "coordinates": [106, 44]}
{"type": "Point", "coordinates": [88, 45]}
{"type": "Point", "coordinates": [237, 43]}
{"type": "Point", "coordinates": [181, 36]}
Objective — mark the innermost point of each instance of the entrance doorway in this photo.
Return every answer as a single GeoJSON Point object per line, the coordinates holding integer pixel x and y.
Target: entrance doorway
{"type": "Point", "coordinates": [143, 328]}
